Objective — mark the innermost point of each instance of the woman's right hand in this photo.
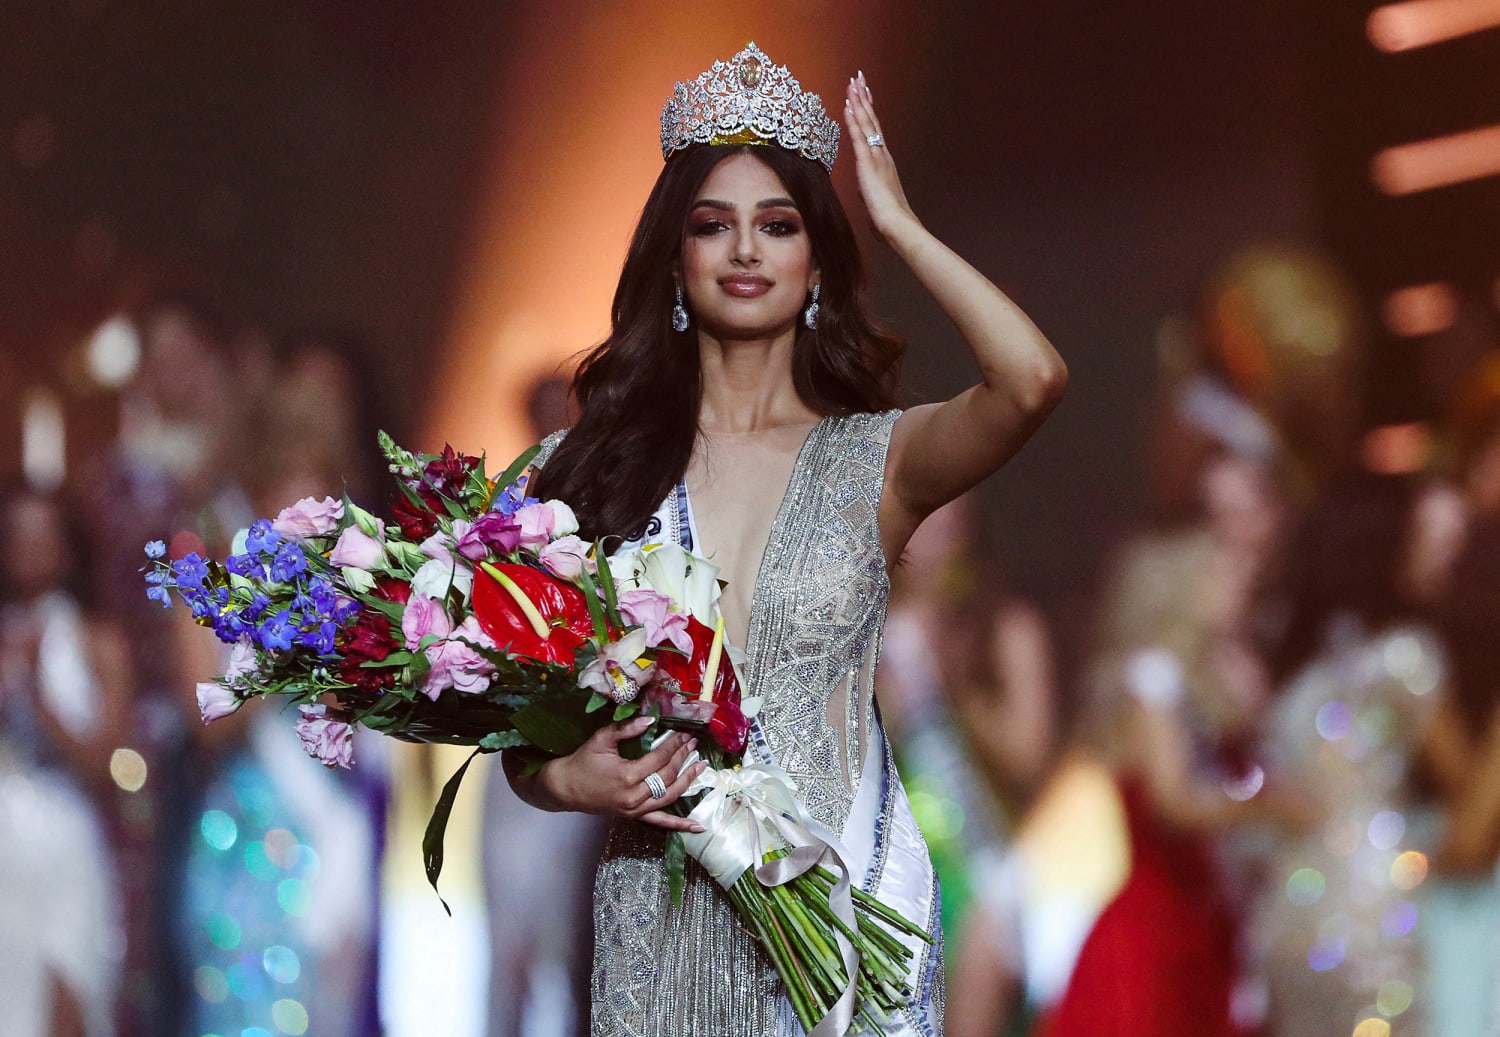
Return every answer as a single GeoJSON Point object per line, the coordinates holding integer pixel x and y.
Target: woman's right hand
{"type": "Point", "coordinates": [596, 779]}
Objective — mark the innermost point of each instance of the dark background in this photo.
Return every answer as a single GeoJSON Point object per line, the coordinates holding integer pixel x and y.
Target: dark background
{"type": "Point", "coordinates": [321, 161]}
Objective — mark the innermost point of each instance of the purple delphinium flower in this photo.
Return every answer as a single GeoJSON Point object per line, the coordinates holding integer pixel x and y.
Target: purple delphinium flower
{"type": "Point", "coordinates": [191, 570]}
{"type": "Point", "coordinates": [509, 500]}
{"type": "Point", "coordinates": [156, 549]}
{"type": "Point", "coordinates": [262, 539]}
{"type": "Point", "coordinates": [276, 633]}
{"type": "Point", "coordinates": [247, 565]}
{"type": "Point", "coordinates": [288, 563]}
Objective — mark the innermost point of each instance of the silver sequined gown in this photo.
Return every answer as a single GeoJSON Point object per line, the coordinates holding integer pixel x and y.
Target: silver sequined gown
{"type": "Point", "coordinates": [815, 624]}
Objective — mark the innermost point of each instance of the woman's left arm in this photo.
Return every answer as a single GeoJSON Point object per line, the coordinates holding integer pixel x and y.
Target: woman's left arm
{"type": "Point", "coordinates": [940, 450]}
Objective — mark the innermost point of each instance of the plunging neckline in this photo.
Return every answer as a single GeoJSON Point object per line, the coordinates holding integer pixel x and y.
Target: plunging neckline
{"type": "Point", "coordinates": [777, 521]}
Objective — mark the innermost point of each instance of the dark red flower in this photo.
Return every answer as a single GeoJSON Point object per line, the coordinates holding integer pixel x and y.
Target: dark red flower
{"type": "Point", "coordinates": [417, 524]}
{"type": "Point", "coordinates": [729, 726]}
{"type": "Point", "coordinates": [368, 639]}
{"type": "Point", "coordinates": [388, 588]}
{"type": "Point", "coordinates": [450, 471]}
{"type": "Point", "coordinates": [561, 604]}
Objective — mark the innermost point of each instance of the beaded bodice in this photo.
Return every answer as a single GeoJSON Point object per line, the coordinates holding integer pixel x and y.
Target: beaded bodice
{"type": "Point", "coordinates": [815, 621]}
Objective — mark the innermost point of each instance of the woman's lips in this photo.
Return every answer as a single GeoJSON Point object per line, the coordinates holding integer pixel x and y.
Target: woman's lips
{"type": "Point", "coordinates": [745, 285]}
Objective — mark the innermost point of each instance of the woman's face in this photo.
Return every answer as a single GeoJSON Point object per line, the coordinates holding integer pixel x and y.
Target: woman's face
{"type": "Point", "coordinates": [747, 263]}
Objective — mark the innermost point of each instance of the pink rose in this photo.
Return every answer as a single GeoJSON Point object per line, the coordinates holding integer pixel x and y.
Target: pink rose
{"type": "Point", "coordinates": [566, 557]}
{"type": "Point", "coordinates": [439, 546]}
{"type": "Point", "coordinates": [457, 665]}
{"type": "Point", "coordinates": [541, 523]}
{"type": "Point", "coordinates": [216, 701]}
{"type": "Point", "coordinates": [653, 611]}
{"type": "Point", "coordinates": [309, 517]}
{"type": "Point", "coordinates": [357, 549]}
{"type": "Point", "coordinates": [423, 617]}
{"type": "Point", "coordinates": [241, 662]}
{"type": "Point", "coordinates": [325, 739]}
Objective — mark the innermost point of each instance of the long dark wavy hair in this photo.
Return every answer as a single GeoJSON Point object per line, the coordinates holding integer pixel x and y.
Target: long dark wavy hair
{"type": "Point", "coordinates": [639, 390]}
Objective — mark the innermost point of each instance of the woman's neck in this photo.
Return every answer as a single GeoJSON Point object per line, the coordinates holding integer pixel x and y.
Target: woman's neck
{"type": "Point", "coordinates": [748, 387]}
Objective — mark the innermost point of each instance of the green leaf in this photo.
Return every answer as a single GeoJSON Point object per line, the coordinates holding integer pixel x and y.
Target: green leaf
{"type": "Point", "coordinates": [437, 827]}
{"type": "Point", "coordinates": [676, 865]}
{"type": "Point", "coordinates": [517, 466]}
{"type": "Point", "coordinates": [557, 725]}
{"type": "Point", "coordinates": [392, 610]}
{"type": "Point", "coordinates": [607, 584]}
{"type": "Point", "coordinates": [591, 597]}
{"type": "Point", "coordinates": [623, 710]}
{"type": "Point", "coordinates": [596, 703]}
{"type": "Point", "coordinates": [501, 740]}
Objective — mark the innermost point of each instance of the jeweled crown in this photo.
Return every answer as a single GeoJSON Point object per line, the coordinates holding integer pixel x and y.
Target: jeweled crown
{"type": "Point", "coordinates": [749, 100]}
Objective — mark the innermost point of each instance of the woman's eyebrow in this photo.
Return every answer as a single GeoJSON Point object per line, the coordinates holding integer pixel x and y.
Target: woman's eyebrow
{"type": "Point", "coordinates": [764, 203]}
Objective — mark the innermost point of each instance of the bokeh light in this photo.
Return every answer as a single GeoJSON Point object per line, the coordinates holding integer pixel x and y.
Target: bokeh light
{"type": "Point", "coordinates": [290, 1017]}
{"type": "Point", "coordinates": [219, 830]}
{"type": "Point", "coordinates": [282, 964]}
{"type": "Point", "coordinates": [1409, 870]}
{"type": "Point", "coordinates": [1373, 1028]}
{"type": "Point", "coordinates": [128, 769]}
{"type": "Point", "coordinates": [1394, 998]}
{"type": "Point", "coordinates": [1306, 887]}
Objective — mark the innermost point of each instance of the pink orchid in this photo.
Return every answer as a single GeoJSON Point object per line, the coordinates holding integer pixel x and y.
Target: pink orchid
{"type": "Point", "coordinates": [616, 672]}
{"type": "Point", "coordinates": [653, 611]}
{"type": "Point", "coordinates": [309, 517]}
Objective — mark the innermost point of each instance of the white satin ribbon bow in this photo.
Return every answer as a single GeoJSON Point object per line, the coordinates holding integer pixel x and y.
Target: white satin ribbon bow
{"type": "Point", "coordinates": [749, 810]}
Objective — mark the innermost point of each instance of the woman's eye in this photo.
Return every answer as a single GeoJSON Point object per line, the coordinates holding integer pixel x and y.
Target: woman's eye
{"type": "Point", "coordinates": [707, 227]}
{"type": "Point", "coordinates": [782, 228]}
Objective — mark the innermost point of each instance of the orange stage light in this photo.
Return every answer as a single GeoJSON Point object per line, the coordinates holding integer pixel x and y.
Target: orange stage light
{"type": "Point", "coordinates": [1421, 23]}
{"type": "Point", "coordinates": [575, 155]}
{"type": "Point", "coordinates": [1422, 309]}
{"type": "Point", "coordinates": [1421, 166]}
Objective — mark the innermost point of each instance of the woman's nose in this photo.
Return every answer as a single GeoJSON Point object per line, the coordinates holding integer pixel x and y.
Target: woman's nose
{"type": "Point", "coordinates": [746, 248]}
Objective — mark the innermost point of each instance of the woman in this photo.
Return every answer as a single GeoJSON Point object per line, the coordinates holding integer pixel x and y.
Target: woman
{"type": "Point", "coordinates": [744, 385]}
{"type": "Point", "coordinates": [65, 686]}
{"type": "Point", "coordinates": [1337, 922]}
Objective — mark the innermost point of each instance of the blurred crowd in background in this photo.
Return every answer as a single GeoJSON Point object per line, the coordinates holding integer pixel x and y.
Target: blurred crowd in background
{"type": "Point", "coordinates": [1204, 741]}
{"type": "Point", "coordinates": [1259, 792]}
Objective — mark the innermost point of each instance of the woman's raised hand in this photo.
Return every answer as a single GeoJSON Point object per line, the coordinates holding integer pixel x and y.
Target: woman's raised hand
{"type": "Point", "coordinates": [596, 779]}
{"type": "Point", "coordinates": [879, 185]}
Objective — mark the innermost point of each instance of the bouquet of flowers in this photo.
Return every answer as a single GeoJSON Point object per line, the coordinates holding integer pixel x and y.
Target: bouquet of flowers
{"type": "Point", "coordinates": [479, 617]}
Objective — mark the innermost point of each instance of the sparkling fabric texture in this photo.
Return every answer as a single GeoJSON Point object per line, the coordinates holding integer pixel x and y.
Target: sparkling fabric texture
{"type": "Point", "coordinates": [818, 608]}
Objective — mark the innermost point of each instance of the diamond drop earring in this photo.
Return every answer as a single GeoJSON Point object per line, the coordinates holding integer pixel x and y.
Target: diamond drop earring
{"type": "Point", "coordinates": [810, 315]}
{"type": "Point", "coordinates": [679, 315]}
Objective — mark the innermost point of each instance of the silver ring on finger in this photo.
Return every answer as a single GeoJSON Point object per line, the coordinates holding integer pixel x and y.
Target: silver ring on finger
{"type": "Point", "coordinates": [875, 140]}
{"type": "Point", "coordinates": [656, 785]}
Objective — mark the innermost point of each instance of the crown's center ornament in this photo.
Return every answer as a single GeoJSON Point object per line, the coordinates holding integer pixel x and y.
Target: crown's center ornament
{"type": "Point", "coordinates": [749, 100]}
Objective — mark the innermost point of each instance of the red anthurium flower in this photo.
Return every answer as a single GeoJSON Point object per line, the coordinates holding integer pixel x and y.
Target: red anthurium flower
{"type": "Point", "coordinates": [688, 671]}
{"type": "Point", "coordinates": [561, 604]}
{"type": "Point", "coordinates": [728, 725]}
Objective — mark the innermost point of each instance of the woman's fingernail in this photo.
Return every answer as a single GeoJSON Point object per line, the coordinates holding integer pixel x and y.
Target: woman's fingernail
{"type": "Point", "coordinates": [644, 722]}
{"type": "Point", "coordinates": [692, 743]}
{"type": "Point", "coordinates": [696, 827]}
